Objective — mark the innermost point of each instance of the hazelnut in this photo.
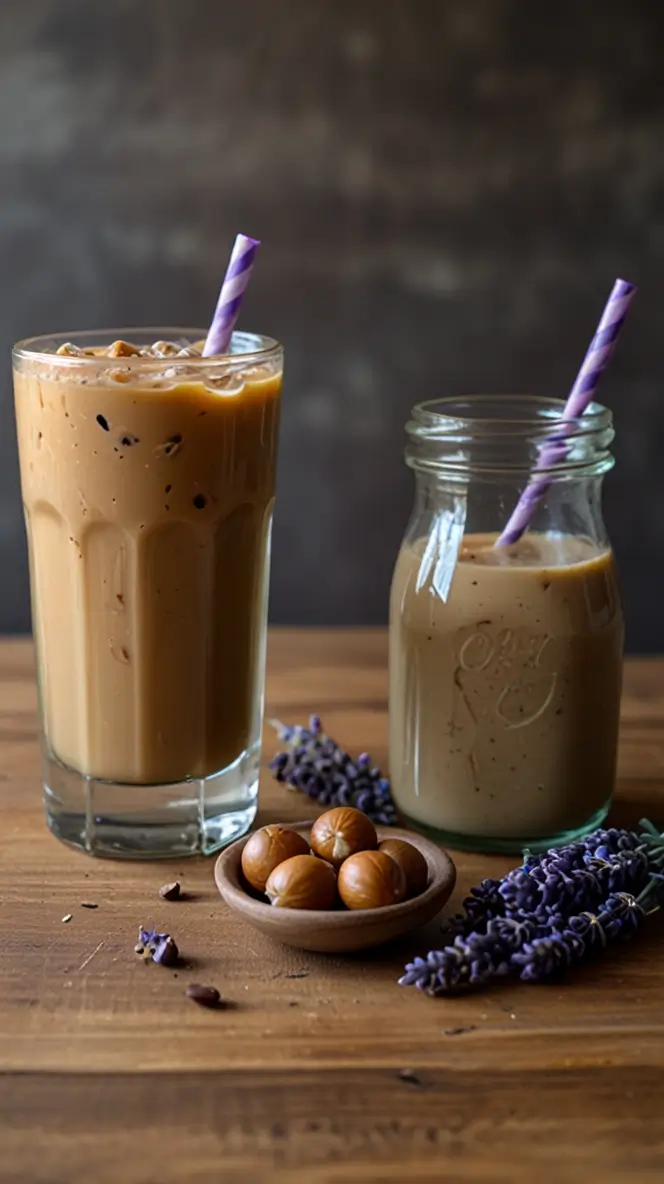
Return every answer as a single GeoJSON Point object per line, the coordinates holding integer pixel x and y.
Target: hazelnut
{"type": "Point", "coordinates": [266, 849]}
{"type": "Point", "coordinates": [411, 861]}
{"type": "Point", "coordinates": [341, 832]}
{"type": "Point", "coordinates": [371, 880]}
{"type": "Point", "coordinates": [302, 882]}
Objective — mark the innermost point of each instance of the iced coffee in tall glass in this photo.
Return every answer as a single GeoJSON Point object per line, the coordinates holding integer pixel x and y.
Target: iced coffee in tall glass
{"type": "Point", "coordinates": [148, 476]}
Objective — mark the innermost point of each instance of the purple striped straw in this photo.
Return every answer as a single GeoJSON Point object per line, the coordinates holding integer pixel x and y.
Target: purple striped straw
{"type": "Point", "coordinates": [233, 289]}
{"type": "Point", "coordinates": [581, 396]}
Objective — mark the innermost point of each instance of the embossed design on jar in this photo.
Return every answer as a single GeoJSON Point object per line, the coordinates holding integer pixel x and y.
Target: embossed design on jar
{"type": "Point", "coordinates": [515, 715]}
{"type": "Point", "coordinates": [519, 701]}
{"type": "Point", "coordinates": [476, 653]}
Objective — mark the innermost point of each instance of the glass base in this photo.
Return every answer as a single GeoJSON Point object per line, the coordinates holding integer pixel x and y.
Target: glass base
{"type": "Point", "coordinates": [120, 821]}
{"type": "Point", "coordinates": [505, 845]}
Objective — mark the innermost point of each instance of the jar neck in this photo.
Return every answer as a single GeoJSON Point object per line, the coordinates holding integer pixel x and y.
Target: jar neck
{"type": "Point", "coordinates": [473, 458]}
{"type": "Point", "coordinates": [503, 438]}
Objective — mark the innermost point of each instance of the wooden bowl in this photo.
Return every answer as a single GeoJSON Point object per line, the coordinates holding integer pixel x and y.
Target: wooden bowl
{"type": "Point", "coordinates": [338, 931]}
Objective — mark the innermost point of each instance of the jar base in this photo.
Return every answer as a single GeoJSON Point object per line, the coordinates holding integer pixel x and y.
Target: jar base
{"type": "Point", "coordinates": [492, 845]}
{"type": "Point", "coordinates": [117, 820]}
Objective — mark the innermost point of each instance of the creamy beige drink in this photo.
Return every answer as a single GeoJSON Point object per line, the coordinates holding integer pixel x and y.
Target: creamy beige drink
{"type": "Point", "coordinates": [148, 486]}
{"type": "Point", "coordinates": [504, 697]}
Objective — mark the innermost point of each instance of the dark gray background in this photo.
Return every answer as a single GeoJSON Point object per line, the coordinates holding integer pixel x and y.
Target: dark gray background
{"type": "Point", "coordinates": [445, 189]}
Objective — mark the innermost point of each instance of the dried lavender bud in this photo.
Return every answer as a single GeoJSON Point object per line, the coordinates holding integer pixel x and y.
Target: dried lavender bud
{"type": "Point", "coordinates": [315, 765]}
{"type": "Point", "coordinates": [204, 996]}
{"type": "Point", "coordinates": [156, 947]}
{"type": "Point", "coordinates": [170, 891]}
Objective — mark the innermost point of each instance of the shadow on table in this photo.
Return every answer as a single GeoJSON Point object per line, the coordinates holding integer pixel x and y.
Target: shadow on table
{"type": "Point", "coordinates": [645, 800]}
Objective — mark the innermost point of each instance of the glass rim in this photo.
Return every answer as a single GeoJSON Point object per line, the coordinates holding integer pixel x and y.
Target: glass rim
{"type": "Point", "coordinates": [254, 347]}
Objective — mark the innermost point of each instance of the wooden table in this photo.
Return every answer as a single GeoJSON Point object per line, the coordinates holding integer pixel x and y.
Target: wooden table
{"type": "Point", "coordinates": [323, 1069]}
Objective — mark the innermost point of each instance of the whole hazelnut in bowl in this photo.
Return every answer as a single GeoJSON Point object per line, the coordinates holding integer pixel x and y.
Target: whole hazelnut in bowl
{"type": "Point", "coordinates": [302, 882]}
{"type": "Point", "coordinates": [339, 929]}
{"type": "Point", "coordinates": [342, 832]}
{"type": "Point", "coordinates": [371, 880]}
{"type": "Point", "coordinates": [411, 861]}
{"type": "Point", "coordinates": [266, 849]}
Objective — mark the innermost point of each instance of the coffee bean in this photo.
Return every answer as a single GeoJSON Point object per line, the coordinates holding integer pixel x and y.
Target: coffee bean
{"type": "Point", "coordinates": [204, 996]}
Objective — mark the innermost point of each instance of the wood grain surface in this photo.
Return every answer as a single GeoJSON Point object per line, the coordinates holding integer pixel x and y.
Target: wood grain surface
{"type": "Point", "coordinates": [320, 1068]}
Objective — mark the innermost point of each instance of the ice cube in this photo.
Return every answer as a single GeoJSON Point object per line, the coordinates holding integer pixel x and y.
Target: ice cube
{"type": "Point", "coordinates": [227, 384]}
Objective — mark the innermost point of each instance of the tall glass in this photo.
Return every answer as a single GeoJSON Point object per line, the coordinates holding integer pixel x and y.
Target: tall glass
{"type": "Point", "coordinates": [148, 489]}
{"type": "Point", "coordinates": [505, 661]}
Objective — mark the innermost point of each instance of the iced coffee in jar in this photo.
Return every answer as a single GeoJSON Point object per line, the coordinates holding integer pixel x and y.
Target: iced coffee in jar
{"type": "Point", "coordinates": [505, 658]}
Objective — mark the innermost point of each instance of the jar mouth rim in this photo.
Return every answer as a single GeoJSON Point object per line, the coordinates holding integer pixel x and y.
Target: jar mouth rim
{"type": "Point", "coordinates": [522, 415]}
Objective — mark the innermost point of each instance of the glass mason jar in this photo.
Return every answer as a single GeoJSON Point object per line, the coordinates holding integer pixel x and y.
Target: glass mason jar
{"type": "Point", "coordinates": [148, 488]}
{"type": "Point", "coordinates": [505, 661]}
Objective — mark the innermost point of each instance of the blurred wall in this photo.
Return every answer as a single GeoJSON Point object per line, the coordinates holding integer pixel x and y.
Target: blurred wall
{"type": "Point", "coordinates": [445, 191]}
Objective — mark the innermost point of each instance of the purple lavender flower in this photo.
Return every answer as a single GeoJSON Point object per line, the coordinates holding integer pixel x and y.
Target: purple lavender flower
{"type": "Point", "coordinates": [566, 886]}
{"type": "Point", "coordinates": [550, 913]}
{"type": "Point", "coordinates": [580, 874]}
{"type": "Point", "coordinates": [472, 960]}
{"type": "Point", "coordinates": [157, 947]}
{"type": "Point", "coordinates": [315, 765]}
{"type": "Point", "coordinates": [145, 937]}
{"type": "Point", "coordinates": [481, 906]}
{"type": "Point", "coordinates": [548, 954]}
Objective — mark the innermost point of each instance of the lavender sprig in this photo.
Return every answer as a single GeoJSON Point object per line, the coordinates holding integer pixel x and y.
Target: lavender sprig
{"type": "Point", "coordinates": [472, 960]}
{"type": "Point", "coordinates": [557, 887]}
{"type": "Point", "coordinates": [524, 947]}
{"type": "Point", "coordinates": [482, 905]}
{"type": "Point", "coordinates": [571, 878]}
{"type": "Point", "coordinates": [317, 766]}
{"type": "Point", "coordinates": [548, 954]}
{"type": "Point", "coordinates": [557, 909]}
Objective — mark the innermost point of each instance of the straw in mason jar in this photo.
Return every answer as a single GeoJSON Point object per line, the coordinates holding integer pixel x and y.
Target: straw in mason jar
{"type": "Point", "coordinates": [233, 289]}
{"type": "Point", "coordinates": [580, 398]}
